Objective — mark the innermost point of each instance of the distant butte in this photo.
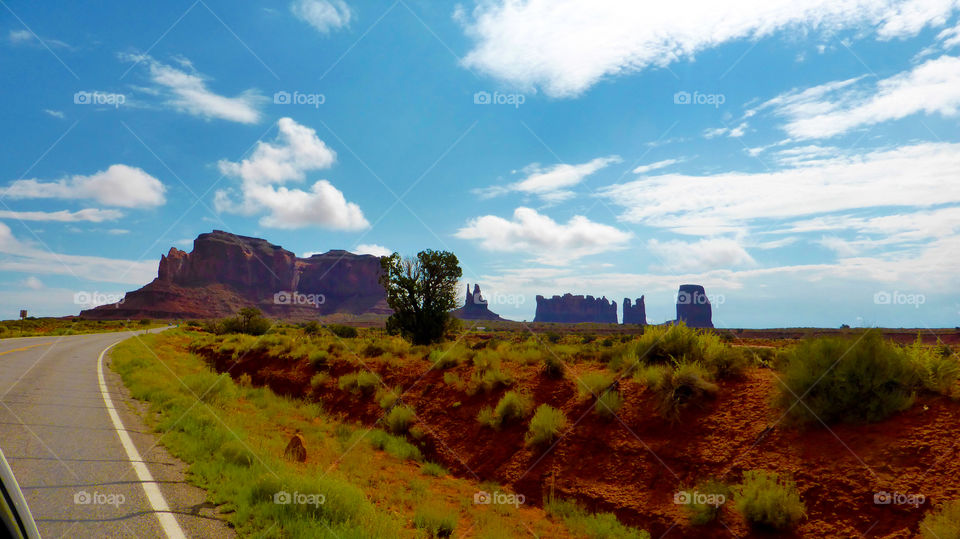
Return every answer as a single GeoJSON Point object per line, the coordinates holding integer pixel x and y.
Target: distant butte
{"type": "Point", "coordinates": [475, 307]}
{"type": "Point", "coordinates": [225, 272]}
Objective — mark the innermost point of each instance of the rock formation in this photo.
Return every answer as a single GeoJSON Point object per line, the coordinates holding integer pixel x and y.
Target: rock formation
{"type": "Point", "coordinates": [226, 272]}
{"type": "Point", "coordinates": [475, 307]}
{"type": "Point", "coordinates": [636, 313]}
{"type": "Point", "coordinates": [574, 309]}
{"type": "Point", "coordinates": [693, 306]}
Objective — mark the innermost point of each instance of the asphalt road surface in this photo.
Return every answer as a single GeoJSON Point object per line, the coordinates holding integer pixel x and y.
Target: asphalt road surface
{"type": "Point", "coordinates": [88, 469]}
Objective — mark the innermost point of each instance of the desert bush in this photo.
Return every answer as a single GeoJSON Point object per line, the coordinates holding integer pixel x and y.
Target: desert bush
{"type": "Point", "coordinates": [711, 495]}
{"type": "Point", "coordinates": [312, 328]}
{"type": "Point", "coordinates": [937, 372]}
{"type": "Point", "coordinates": [359, 382]}
{"type": "Point", "coordinates": [491, 379]}
{"type": "Point", "coordinates": [593, 526]}
{"type": "Point", "coordinates": [400, 418]}
{"type": "Point", "coordinates": [512, 406]}
{"type": "Point", "coordinates": [318, 358]}
{"type": "Point", "coordinates": [487, 418]}
{"type": "Point", "coordinates": [943, 522]}
{"type": "Point", "coordinates": [210, 387]}
{"type": "Point", "coordinates": [664, 344]}
{"type": "Point", "coordinates": [652, 376]}
{"type": "Point", "coordinates": [236, 453]}
{"type": "Point", "coordinates": [593, 384]}
{"type": "Point", "coordinates": [553, 365]}
{"type": "Point", "coordinates": [608, 403]}
{"type": "Point", "coordinates": [842, 379]}
{"type": "Point", "coordinates": [553, 337]}
{"type": "Point", "coordinates": [436, 521]}
{"type": "Point", "coordinates": [448, 357]}
{"type": "Point", "coordinates": [678, 386]}
{"type": "Point", "coordinates": [546, 424]}
{"type": "Point", "coordinates": [248, 320]}
{"type": "Point", "coordinates": [433, 469]}
{"type": "Point", "coordinates": [388, 397]}
{"type": "Point", "coordinates": [394, 445]}
{"type": "Point", "coordinates": [344, 332]}
{"type": "Point", "coordinates": [766, 499]}
{"type": "Point", "coordinates": [372, 350]}
{"type": "Point", "coordinates": [317, 380]}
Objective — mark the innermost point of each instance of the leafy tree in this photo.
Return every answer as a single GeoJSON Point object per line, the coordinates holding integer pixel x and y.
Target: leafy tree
{"type": "Point", "coordinates": [421, 292]}
{"type": "Point", "coordinates": [249, 320]}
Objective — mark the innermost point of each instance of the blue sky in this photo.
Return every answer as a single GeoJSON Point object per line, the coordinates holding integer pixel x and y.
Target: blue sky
{"type": "Point", "coordinates": [799, 159]}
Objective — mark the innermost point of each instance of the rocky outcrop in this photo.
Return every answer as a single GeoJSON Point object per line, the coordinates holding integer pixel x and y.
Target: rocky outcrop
{"type": "Point", "coordinates": [693, 306]}
{"type": "Point", "coordinates": [572, 309]}
{"type": "Point", "coordinates": [225, 272]}
{"type": "Point", "coordinates": [634, 313]}
{"type": "Point", "coordinates": [475, 307]}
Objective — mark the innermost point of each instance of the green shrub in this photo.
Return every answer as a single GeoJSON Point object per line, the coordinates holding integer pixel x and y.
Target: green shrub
{"type": "Point", "coordinates": [400, 418]}
{"type": "Point", "coordinates": [841, 379]}
{"type": "Point", "coordinates": [248, 320]}
{"type": "Point", "coordinates": [652, 376]}
{"type": "Point", "coordinates": [936, 370]}
{"type": "Point", "coordinates": [491, 379]}
{"type": "Point", "coordinates": [312, 328]}
{"type": "Point", "coordinates": [317, 380]}
{"type": "Point", "coordinates": [664, 344]}
{"type": "Point", "coordinates": [393, 445]}
{"type": "Point", "coordinates": [678, 387]}
{"type": "Point", "coordinates": [766, 499]}
{"type": "Point", "coordinates": [553, 365]}
{"type": "Point", "coordinates": [210, 387]}
{"type": "Point", "coordinates": [512, 406]}
{"type": "Point", "coordinates": [372, 350]}
{"type": "Point", "coordinates": [359, 382]}
{"type": "Point", "coordinates": [433, 469]}
{"type": "Point", "coordinates": [447, 358]}
{"type": "Point", "coordinates": [546, 424]}
{"type": "Point", "coordinates": [388, 397]}
{"type": "Point", "coordinates": [943, 522]}
{"type": "Point", "coordinates": [705, 506]}
{"type": "Point", "coordinates": [234, 452]}
{"type": "Point", "coordinates": [593, 384]}
{"type": "Point", "coordinates": [318, 358]}
{"type": "Point", "coordinates": [553, 337]}
{"type": "Point", "coordinates": [487, 418]}
{"type": "Point", "coordinates": [608, 404]}
{"type": "Point", "coordinates": [435, 520]}
{"type": "Point", "coordinates": [594, 526]}
{"type": "Point", "coordinates": [344, 332]}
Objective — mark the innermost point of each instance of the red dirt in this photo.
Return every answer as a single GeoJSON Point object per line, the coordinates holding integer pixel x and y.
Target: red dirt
{"type": "Point", "coordinates": [633, 465]}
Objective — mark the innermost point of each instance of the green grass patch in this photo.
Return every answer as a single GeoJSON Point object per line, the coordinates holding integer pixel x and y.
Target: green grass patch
{"type": "Point", "coordinates": [545, 425]}
{"type": "Point", "coordinates": [768, 500]}
{"type": "Point", "coordinates": [591, 525]}
{"type": "Point", "coordinates": [943, 522]}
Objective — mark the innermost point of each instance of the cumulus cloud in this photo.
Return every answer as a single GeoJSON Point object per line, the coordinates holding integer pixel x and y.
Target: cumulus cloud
{"type": "Point", "coordinates": [920, 175]}
{"type": "Point", "coordinates": [120, 185]}
{"type": "Point", "coordinates": [324, 15]}
{"type": "Point", "coordinates": [567, 46]}
{"type": "Point", "coordinates": [702, 255]}
{"type": "Point", "coordinates": [92, 215]}
{"type": "Point", "coordinates": [296, 151]}
{"type": "Point", "coordinates": [372, 249]}
{"type": "Point", "coordinates": [551, 183]}
{"type": "Point", "coordinates": [838, 107]}
{"type": "Point", "coordinates": [185, 90]}
{"type": "Point", "coordinates": [549, 241]}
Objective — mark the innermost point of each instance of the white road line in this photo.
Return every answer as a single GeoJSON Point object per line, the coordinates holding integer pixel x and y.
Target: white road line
{"type": "Point", "coordinates": [167, 521]}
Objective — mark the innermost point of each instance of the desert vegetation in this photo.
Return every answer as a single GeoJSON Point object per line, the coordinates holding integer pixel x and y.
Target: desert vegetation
{"type": "Point", "coordinates": [464, 407]}
{"type": "Point", "coordinates": [41, 327]}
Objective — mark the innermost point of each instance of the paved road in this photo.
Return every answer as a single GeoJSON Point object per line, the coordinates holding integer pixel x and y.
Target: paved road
{"type": "Point", "coordinates": [69, 457]}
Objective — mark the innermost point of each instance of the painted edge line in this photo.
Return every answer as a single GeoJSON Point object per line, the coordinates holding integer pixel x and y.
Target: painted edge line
{"type": "Point", "coordinates": [160, 508]}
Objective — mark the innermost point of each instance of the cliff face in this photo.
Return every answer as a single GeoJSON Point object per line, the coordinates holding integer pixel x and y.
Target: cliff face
{"type": "Point", "coordinates": [225, 272]}
{"type": "Point", "coordinates": [693, 306]}
{"type": "Point", "coordinates": [634, 313]}
{"type": "Point", "coordinates": [574, 309]}
{"type": "Point", "coordinates": [475, 307]}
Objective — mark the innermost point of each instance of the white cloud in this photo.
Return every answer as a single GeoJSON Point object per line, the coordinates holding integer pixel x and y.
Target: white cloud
{"type": "Point", "coordinates": [950, 37]}
{"type": "Point", "coordinates": [372, 249]}
{"type": "Point", "coordinates": [566, 46]}
{"type": "Point", "coordinates": [186, 91]}
{"type": "Point", "coordinates": [120, 185]}
{"type": "Point", "coordinates": [643, 169]}
{"type": "Point", "coordinates": [733, 132]}
{"type": "Point", "coordinates": [55, 113]}
{"type": "Point", "coordinates": [20, 36]}
{"type": "Point", "coordinates": [296, 151]}
{"type": "Point", "coordinates": [324, 15]}
{"type": "Point", "coordinates": [37, 260]}
{"type": "Point", "coordinates": [33, 283]}
{"type": "Point", "coordinates": [551, 242]}
{"type": "Point", "coordinates": [702, 255]}
{"type": "Point", "coordinates": [835, 108]}
{"type": "Point", "coordinates": [909, 176]}
{"type": "Point", "coordinates": [551, 183]}
{"type": "Point", "coordinates": [92, 215]}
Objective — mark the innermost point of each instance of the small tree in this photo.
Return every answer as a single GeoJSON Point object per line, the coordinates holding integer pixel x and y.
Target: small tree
{"type": "Point", "coordinates": [421, 292]}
